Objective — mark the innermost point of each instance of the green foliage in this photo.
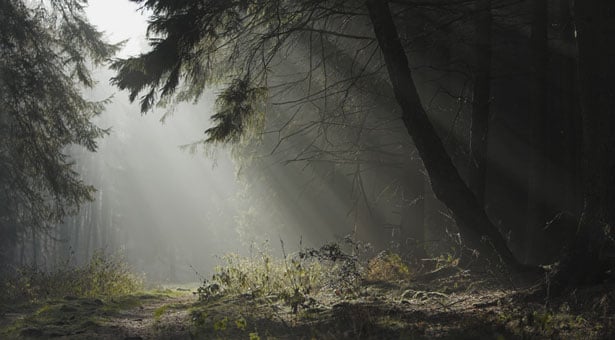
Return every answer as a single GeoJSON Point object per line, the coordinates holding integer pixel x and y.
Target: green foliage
{"type": "Point", "coordinates": [237, 110]}
{"type": "Point", "coordinates": [221, 324]}
{"type": "Point", "coordinates": [102, 276]}
{"type": "Point", "coordinates": [210, 43]}
{"type": "Point", "coordinates": [241, 324]}
{"type": "Point", "coordinates": [290, 279]}
{"type": "Point", "coordinates": [387, 266]}
{"type": "Point", "coordinates": [549, 323]}
{"type": "Point", "coordinates": [158, 312]}
{"type": "Point", "coordinates": [345, 272]}
{"type": "Point", "coordinates": [446, 260]}
{"type": "Point", "coordinates": [45, 48]}
{"type": "Point", "coordinates": [295, 279]}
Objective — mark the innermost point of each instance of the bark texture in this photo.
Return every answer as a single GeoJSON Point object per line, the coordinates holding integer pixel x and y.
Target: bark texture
{"type": "Point", "coordinates": [539, 50]}
{"type": "Point", "coordinates": [595, 29]}
{"type": "Point", "coordinates": [481, 100]}
{"type": "Point", "coordinates": [475, 227]}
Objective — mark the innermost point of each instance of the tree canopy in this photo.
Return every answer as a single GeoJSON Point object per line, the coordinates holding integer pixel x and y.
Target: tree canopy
{"type": "Point", "coordinates": [194, 44]}
{"type": "Point", "coordinates": [45, 50]}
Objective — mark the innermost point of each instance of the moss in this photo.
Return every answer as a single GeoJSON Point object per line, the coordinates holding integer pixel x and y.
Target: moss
{"type": "Point", "coordinates": [55, 319]}
{"type": "Point", "coordinates": [158, 312]}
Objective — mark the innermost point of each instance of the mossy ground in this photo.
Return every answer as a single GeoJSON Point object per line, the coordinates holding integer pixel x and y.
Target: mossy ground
{"type": "Point", "coordinates": [459, 305]}
{"type": "Point", "coordinates": [139, 315]}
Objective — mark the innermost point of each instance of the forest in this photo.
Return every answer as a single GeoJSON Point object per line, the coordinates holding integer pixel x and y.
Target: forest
{"type": "Point", "coordinates": [313, 169]}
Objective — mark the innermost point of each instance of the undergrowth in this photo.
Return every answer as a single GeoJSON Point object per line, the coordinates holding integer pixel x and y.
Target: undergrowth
{"type": "Point", "coordinates": [103, 276]}
{"type": "Point", "coordinates": [387, 266]}
{"type": "Point", "coordinates": [292, 278]}
{"type": "Point", "coordinates": [298, 278]}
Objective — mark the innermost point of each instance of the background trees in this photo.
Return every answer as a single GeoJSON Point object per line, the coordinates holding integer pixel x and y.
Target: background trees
{"type": "Point", "coordinates": [204, 43]}
{"type": "Point", "coordinates": [44, 52]}
{"type": "Point", "coordinates": [492, 103]}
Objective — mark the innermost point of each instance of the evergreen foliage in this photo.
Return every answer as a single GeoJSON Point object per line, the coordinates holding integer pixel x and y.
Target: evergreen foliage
{"type": "Point", "coordinates": [198, 44]}
{"type": "Point", "coordinates": [206, 43]}
{"type": "Point", "coordinates": [202, 43]}
{"type": "Point", "coordinates": [45, 50]}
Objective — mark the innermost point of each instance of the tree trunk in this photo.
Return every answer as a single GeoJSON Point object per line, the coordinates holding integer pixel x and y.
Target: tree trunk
{"type": "Point", "coordinates": [480, 100]}
{"type": "Point", "coordinates": [571, 115]}
{"type": "Point", "coordinates": [595, 29]}
{"type": "Point", "coordinates": [474, 225]}
{"type": "Point", "coordinates": [536, 214]}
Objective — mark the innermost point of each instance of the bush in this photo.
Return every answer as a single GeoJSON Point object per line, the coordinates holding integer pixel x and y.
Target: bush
{"type": "Point", "coordinates": [295, 279]}
{"type": "Point", "coordinates": [387, 266]}
{"type": "Point", "coordinates": [291, 279]}
{"type": "Point", "coordinates": [103, 276]}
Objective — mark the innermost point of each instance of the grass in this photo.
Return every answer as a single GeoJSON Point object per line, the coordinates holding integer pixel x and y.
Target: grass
{"type": "Point", "coordinates": [88, 317]}
{"type": "Point", "coordinates": [103, 276]}
{"type": "Point", "coordinates": [67, 301]}
{"type": "Point", "coordinates": [383, 298]}
{"type": "Point", "coordinates": [322, 294]}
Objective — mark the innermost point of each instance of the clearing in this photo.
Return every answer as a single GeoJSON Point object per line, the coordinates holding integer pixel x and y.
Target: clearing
{"type": "Point", "coordinates": [446, 304]}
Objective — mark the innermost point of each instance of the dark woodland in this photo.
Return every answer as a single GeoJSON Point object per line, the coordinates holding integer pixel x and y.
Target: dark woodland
{"type": "Point", "coordinates": [315, 169]}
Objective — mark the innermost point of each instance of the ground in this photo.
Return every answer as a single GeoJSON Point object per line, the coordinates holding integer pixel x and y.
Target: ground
{"type": "Point", "coordinates": [448, 304]}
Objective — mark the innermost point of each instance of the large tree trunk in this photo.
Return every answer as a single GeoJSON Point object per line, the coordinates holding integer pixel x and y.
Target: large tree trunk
{"type": "Point", "coordinates": [480, 100]}
{"type": "Point", "coordinates": [595, 29]}
{"type": "Point", "coordinates": [572, 117]}
{"type": "Point", "coordinates": [539, 49]}
{"type": "Point", "coordinates": [474, 225]}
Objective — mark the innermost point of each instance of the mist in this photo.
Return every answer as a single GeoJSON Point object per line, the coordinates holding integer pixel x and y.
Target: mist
{"type": "Point", "coordinates": [172, 207]}
{"type": "Point", "coordinates": [307, 169]}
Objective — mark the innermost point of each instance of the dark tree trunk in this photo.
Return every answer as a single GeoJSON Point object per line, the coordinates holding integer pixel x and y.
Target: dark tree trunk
{"type": "Point", "coordinates": [447, 184]}
{"type": "Point", "coordinates": [571, 114]}
{"type": "Point", "coordinates": [536, 214]}
{"type": "Point", "coordinates": [480, 100]}
{"type": "Point", "coordinates": [595, 28]}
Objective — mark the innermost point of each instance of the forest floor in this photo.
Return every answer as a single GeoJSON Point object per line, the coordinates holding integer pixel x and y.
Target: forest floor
{"type": "Point", "coordinates": [448, 304]}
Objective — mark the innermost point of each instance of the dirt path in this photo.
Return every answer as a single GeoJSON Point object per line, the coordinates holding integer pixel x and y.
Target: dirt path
{"type": "Point", "coordinates": [165, 317]}
{"type": "Point", "coordinates": [159, 315]}
{"type": "Point", "coordinates": [459, 307]}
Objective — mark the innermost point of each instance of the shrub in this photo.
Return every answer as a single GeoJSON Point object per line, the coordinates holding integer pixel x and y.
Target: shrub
{"type": "Point", "coordinates": [296, 279]}
{"type": "Point", "coordinates": [291, 278]}
{"type": "Point", "coordinates": [103, 276]}
{"type": "Point", "coordinates": [387, 266]}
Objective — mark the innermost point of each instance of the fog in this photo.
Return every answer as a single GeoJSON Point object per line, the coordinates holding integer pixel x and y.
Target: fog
{"type": "Point", "coordinates": [172, 210]}
{"type": "Point", "coordinates": [344, 166]}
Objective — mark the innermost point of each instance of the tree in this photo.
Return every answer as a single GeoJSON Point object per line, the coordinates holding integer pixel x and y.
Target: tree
{"type": "Point", "coordinates": [587, 259]}
{"type": "Point", "coordinates": [539, 50]}
{"type": "Point", "coordinates": [445, 179]}
{"type": "Point", "coordinates": [480, 100]}
{"type": "Point", "coordinates": [44, 51]}
{"type": "Point", "coordinates": [200, 43]}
